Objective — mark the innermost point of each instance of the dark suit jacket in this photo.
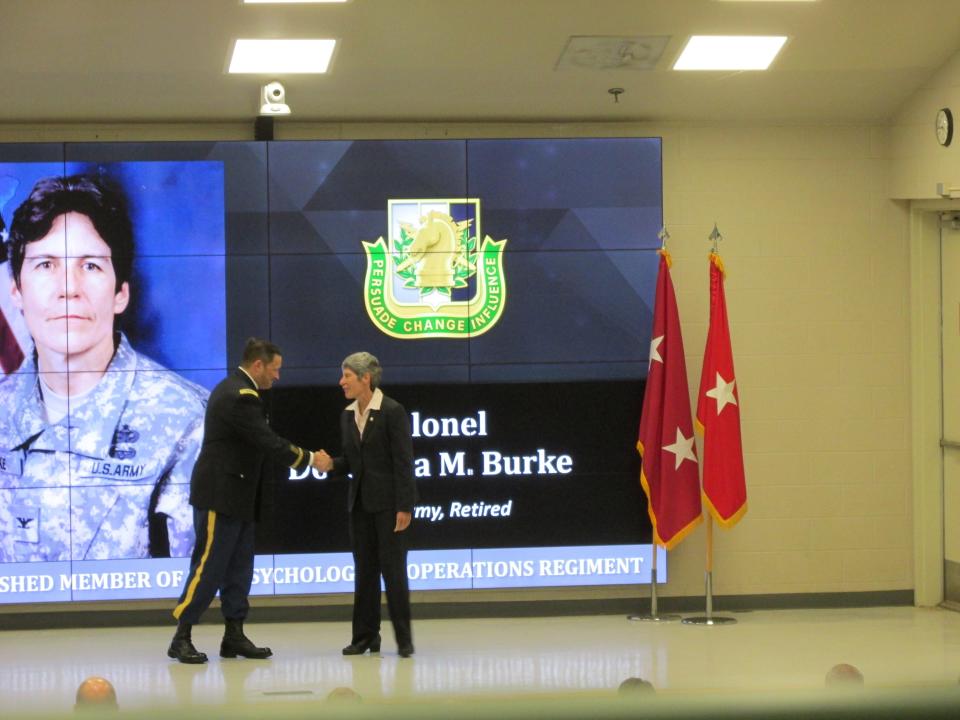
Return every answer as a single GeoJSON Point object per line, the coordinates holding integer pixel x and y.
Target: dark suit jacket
{"type": "Point", "coordinates": [381, 463]}
{"type": "Point", "coordinates": [236, 439]}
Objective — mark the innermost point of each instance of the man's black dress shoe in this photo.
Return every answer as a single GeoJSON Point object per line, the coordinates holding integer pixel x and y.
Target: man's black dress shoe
{"type": "Point", "coordinates": [359, 648]}
{"type": "Point", "coordinates": [405, 650]}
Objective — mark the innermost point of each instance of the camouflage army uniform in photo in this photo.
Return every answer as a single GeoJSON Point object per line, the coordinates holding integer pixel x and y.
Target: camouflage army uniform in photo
{"type": "Point", "coordinates": [109, 480]}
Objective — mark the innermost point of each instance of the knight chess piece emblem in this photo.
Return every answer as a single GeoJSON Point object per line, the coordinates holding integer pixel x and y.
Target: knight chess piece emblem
{"type": "Point", "coordinates": [430, 279]}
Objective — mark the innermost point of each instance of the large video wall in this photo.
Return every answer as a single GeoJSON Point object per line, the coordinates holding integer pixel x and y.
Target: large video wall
{"type": "Point", "coordinates": [505, 285]}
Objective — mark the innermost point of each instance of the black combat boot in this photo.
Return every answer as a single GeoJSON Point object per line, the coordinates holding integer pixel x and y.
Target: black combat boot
{"type": "Point", "coordinates": [236, 643]}
{"type": "Point", "coordinates": [182, 649]}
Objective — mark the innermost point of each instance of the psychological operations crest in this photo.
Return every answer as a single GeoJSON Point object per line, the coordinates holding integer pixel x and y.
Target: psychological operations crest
{"type": "Point", "coordinates": [429, 279]}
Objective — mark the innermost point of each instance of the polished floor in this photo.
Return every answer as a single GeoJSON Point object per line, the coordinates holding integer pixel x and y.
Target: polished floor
{"type": "Point", "coordinates": [789, 650]}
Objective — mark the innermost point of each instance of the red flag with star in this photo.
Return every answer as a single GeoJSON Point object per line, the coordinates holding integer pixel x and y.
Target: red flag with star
{"type": "Point", "coordinates": [11, 354]}
{"type": "Point", "coordinates": [718, 413]}
{"type": "Point", "coordinates": [668, 472]}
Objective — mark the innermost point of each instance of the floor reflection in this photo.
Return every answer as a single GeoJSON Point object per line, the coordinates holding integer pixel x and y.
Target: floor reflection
{"type": "Point", "coordinates": [894, 647]}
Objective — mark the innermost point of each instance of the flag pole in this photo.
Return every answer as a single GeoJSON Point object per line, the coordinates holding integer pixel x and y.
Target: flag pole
{"type": "Point", "coordinates": [710, 618]}
{"type": "Point", "coordinates": [654, 615]}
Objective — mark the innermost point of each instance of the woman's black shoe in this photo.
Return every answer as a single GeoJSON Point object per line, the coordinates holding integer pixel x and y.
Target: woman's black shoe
{"type": "Point", "coordinates": [405, 650]}
{"type": "Point", "coordinates": [359, 648]}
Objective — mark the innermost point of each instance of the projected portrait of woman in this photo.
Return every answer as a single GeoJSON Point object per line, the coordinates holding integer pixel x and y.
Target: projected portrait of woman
{"type": "Point", "coordinates": [97, 441]}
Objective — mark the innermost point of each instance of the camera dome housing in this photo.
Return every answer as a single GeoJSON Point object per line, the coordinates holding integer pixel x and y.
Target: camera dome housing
{"type": "Point", "coordinates": [273, 99]}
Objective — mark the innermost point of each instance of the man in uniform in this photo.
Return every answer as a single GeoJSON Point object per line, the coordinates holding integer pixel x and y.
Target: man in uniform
{"type": "Point", "coordinates": [225, 494]}
{"type": "Point", "coordinates": [96, 440]}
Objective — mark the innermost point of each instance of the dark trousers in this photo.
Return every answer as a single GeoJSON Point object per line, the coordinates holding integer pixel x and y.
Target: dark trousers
{"type": "Point", "coordinates": [222, 561]}
{"type": "Point", "coordinates": [378, 550]}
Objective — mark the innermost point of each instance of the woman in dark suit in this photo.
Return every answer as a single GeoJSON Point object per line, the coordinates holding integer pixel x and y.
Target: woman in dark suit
{"type": "Point", "coordinates": [378, 453]}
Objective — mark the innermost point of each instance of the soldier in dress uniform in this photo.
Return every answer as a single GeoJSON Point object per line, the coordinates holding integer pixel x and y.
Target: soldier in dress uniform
{"type": "Point", "coordinates": [225, 493]}
{"type": "Point", "coordinates": [97, 441]}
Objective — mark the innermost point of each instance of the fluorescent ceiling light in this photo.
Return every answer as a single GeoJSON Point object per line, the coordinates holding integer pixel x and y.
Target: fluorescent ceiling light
{"type": "Point", "coordinates": [729, 52]}
{"type": "Point", "coordinates": [281, 56]}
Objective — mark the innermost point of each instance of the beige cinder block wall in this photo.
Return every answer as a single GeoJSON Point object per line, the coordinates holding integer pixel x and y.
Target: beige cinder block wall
{"type": "Point", "coordinates": [817, 290]}
{"type": "Point", "coordinates": [817, 282]}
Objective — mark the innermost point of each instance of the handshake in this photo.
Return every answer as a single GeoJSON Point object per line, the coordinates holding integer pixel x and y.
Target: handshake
{"type": "Point", "coordinates": [322, 461]}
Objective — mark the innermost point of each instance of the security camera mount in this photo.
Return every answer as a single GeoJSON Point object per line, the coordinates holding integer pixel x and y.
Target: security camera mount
{"type": "Point", "coordinates": [263, 128]}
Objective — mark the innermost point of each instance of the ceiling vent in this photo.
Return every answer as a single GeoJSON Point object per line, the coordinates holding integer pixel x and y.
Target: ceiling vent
{"type": "Point", "coordinates": [612, 52]}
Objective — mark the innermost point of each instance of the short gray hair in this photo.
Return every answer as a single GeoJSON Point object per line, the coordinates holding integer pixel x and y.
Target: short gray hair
{"type": "Point", "coordinates": [362, 363]}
